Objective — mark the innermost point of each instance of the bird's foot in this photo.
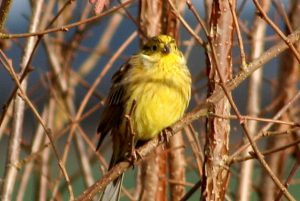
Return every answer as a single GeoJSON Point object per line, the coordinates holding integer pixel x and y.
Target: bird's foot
{"type": "Point", "coordinates": [165, 135]}
{"type": "Point", "coordinates": [134, 156]}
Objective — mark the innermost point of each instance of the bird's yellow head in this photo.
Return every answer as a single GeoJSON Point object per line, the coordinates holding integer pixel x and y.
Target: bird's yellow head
{"type": "Point", "coordinates": [161, 49]}
{"type": "Point", "coordinates": [161, 44]}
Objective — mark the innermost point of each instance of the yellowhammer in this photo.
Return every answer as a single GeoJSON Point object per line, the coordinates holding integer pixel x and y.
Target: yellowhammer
{"type": "Point", "coordinates": [152, 90]}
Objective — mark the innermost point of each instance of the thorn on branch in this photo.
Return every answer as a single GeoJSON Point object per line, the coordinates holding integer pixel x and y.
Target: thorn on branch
{"type": "Point", "coordinates": [253, 154]}
{"type": "Point", "coordinates": [29, 69]}
{"type": "Point", "coordinates": [4, 36]}
{"type": "Point", "coordinates": [242, 120]}
{"type": "Point", "coordinates": [20, 95]}
{"type": "Point", "coordinates": [259, 14]}
{"type": "Point", "coordinates": [64, 29]}
{"type": "Point", "coordinates": [189, 4]}
{"type": "Point", "coordinates": [48, 130]}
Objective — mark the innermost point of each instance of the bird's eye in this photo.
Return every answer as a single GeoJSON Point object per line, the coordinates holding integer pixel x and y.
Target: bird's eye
{"type": "Point", "coordinates": [154, 47]}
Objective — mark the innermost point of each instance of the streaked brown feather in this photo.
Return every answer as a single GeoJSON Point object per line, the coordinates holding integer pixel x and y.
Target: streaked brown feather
{"type": "Point", "coordinates": [115, 104]}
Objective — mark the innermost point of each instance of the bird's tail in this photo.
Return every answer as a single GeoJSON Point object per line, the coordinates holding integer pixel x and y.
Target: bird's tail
{"type": "Point", "coordinates": [112, 191]}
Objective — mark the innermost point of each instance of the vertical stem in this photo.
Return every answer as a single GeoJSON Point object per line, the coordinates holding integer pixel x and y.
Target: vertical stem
{"type": "Point", "coordinates": [45, 170]}
{"type": "Point", "coordinates": [215, 175]}
{"type": "Point", "coordinates": [102, 45]}
{"type": "Point", "coordinates": [177, 166]}
{"type": "Point", "coordinates": [151, 177]}
{"type": "Point", "coordinates": [150, 17]}
{"type": "Point", "coordinates": [18, 114]}
{"type": "Point", "coordinates": [38, 138]}
{"type": "Point", "coordinates": [253, 105]}
{"type": "Point", "coordinates": [4, 10]}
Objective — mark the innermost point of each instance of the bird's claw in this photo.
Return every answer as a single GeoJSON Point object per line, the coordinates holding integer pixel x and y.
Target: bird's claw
{"type": "Point", "coordinates": [134, 156]}
{"type": "Point", "coordinates": [165, 135]}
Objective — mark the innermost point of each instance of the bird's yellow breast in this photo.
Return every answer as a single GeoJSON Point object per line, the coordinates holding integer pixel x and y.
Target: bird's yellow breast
{"type": "Point", "coordinates": [161, 96]}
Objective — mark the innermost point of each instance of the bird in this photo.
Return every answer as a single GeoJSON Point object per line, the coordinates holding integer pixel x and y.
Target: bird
{"type": "Point", "coordinates": [149, 93]}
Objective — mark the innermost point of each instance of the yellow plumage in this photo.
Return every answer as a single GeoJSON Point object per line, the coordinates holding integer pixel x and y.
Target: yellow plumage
{"type": "Point", "coordinates": [158, 83]}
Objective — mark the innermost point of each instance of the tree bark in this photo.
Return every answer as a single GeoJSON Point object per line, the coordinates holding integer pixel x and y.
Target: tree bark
{"type": "Point", "coordinates": [215, 174]}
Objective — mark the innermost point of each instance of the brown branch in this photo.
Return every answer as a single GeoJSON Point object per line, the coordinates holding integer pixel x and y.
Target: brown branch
{"type": "Point", "coordinates": [198, 17]}
{"type": "Point", "coordinates": [177, 163]}
{"type": "Point", "coordinates": [239, 36]}
{"type": "Point", "coordinates": [265, 128]}
{"type": "Point", "coordinates": [254, 99]}
{"type": "Point", "coordinates": [196, 147]}
{"type": "Point", "coordinates": [102, 45]}
{"type": "Point", "coordinates": [255, 64]}
{"type": "Point", "coordinates": [45, 169]}
{"type": "Point", "coordinates": [256, 119]}
{"type": "Point", "coordinates": [38, 138]}
{"type": "Point", "coordinates": [67, 84]}
{"type": "Point", "coordinates": [285, 132]}
{"type": "Point", "coordinates": [288, 79]}
{"type": "Point", "coordinates": [290, 176]}
{"type": "Point", "coordinates": [48, 132]}
{"type": "Point", "coordinates": [265, 153]}
{"type": "Point", "coordinates": [4, 10]}
{"type": "Point", "coordinates": [215, 174]}
{"type": "Point", "coordinates": [277, 30]}
{"type": "Point", "coordinates": [191, 191]}
{"type": "Point", "coordinates": [185, 24]}
{"type": "Point", "coordinates": [190, 43]}
{"type": "Point", "coordinates": [10, 172]}
{"type": "Point", "coordinates": [68, 26]}
{"type": "Point", "coordinates": [27, 66]}
{"type": "Point", "coordinates": [279, 6]}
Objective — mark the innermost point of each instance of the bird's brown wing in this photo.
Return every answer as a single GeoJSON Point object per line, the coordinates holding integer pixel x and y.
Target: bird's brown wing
{"type": "Point", "coordinates": [115, 104]}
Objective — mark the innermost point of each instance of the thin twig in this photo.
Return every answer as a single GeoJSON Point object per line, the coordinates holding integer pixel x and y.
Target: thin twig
{"type": "Point", "coordinates": [10, 172]}
{"type": "Point", "coordinates": [191, 191]}
{"type": "Point", "coordinates": [37, 115]}
{"type": "Point", "coordinates": [256, 119]}
{"type": "Point", "coordinates": [68, 26]}
{"type": "Point", "coordinates": [277, 30]}
{"type": "Point", "coordinates": [89, 93]}
{"type": "Point", "coordinates": [195, 145]}
{"type": "Point", "coordinates": [265, 153]}
{"type": "Point", "coordinates": [290, 176]}
{"type": "Point", "coordinates": [38, 138]}
{"type": "Point", "coordinates": [27, 67]}
{"type": "Point", "coordinates": [265, 128]}
{"type": "Point", "coordinates": [239, 37]}
{"type": "Point", "coordinates": [102, 44]}
{"type": "Point", "coordinates": [185, 24]}
{"type": "Point", "coordinates": [4, 10]}
{"type": "Point", "coordinates": [198, 17]}
{"type": "Point", "coordinates": [279, 5]}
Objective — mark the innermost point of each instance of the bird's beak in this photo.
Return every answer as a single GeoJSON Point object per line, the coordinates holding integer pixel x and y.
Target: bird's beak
{"type": "Point", "coordinates": [166, 49]}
